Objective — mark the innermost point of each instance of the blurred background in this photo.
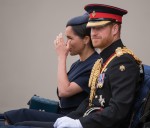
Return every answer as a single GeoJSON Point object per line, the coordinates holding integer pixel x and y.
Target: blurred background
{"type": "Point", "coordinates": [28, 62]}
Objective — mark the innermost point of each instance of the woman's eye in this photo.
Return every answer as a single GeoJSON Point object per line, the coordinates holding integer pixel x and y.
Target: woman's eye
{"type": "Point", "coordinates": [69, 39]}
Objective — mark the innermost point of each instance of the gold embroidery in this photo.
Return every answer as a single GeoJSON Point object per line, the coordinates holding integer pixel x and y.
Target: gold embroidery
{"type": "Point", "coordinates": [93, 79]}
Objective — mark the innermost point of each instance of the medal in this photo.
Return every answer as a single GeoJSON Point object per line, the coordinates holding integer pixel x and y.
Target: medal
{"type": "Point", "coordinates": [101, 100]}
{"type": "Point", "coordinates": [99, 85]}
{"type": "Point", "coordinates": [101, 80]}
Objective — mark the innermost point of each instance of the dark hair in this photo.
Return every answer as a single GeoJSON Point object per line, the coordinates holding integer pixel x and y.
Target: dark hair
{"type": "Point", "coordinates": [82, 31]}
{"type": "Point", "coordinates": [78, 25]}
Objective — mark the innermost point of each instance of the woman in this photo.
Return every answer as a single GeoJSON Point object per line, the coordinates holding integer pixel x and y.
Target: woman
{"type": "Point", "coordinates": [72, 86]}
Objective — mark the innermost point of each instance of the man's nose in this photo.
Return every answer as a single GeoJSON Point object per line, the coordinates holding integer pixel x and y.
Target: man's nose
{"type": "Point", "coordinates": [93, 31]}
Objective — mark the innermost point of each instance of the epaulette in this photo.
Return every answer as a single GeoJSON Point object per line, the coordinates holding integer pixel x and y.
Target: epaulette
{"type": "Point", "coordinates": [119, 52]}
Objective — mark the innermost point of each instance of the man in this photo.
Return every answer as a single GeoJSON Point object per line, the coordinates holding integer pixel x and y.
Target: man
{"type": "Point", "coordinates": [114, 78]}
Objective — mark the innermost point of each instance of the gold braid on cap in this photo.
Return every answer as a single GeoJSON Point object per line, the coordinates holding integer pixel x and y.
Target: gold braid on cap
{"type": "Point", "coordinates": [97, 69]}
{"type": "Point", "coordinates": [93, 79]}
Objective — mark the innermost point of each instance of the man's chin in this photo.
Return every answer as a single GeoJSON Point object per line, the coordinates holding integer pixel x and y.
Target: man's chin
{"type": "Point", "coordinates": [96, 45]}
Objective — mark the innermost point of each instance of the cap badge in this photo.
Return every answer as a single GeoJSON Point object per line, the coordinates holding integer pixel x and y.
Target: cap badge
{"type": "Point", "coordinates": [122, 68]}
{"type": "Point", "coordinates": [93, 13]}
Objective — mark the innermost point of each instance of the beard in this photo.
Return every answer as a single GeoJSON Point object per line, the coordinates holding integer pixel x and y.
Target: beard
{"type": "Point", "coordinates": [101, 43]}
{"type": "Point", "coordinates": [96, 41]}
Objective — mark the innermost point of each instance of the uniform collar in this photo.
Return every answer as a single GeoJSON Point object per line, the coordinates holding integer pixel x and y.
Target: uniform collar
{"type": "Point", "coordinates": [106, 53]}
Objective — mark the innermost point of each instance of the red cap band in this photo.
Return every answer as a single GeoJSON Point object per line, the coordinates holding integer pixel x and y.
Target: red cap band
{"type": "Point", "coordinates": [94, 15]}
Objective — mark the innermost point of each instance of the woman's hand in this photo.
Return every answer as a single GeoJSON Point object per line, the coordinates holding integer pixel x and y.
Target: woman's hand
{"type": "Point", "coordinates": [61, 47]}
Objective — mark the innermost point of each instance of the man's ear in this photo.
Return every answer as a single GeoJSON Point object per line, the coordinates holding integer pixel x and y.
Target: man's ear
{"type": "Point", "coordinates": [115, 29]}
{"type": "Point", "coordinates": [86, 40]}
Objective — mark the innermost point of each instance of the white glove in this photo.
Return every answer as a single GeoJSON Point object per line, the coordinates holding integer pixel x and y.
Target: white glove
{"type": "Point", "coordinates": [66, 122]}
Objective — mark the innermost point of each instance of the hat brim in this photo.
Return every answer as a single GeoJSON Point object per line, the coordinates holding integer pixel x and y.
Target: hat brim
{"type": "Point", "coordinates": [97, 23]}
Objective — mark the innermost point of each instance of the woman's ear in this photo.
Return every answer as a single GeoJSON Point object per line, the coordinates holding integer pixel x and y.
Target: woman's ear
{"type": "Point", "coordinates": [86, 40]}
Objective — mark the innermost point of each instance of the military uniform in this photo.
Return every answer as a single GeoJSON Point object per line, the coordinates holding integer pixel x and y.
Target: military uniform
{"type": "Point", "coordinates": [112, 103]}
{"type": "Point", "coordinates": [115, 77]}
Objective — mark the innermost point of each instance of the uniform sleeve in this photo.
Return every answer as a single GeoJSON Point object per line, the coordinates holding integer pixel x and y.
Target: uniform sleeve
{"type": "Point", "coordinates": [122, 77]}
{"type": "Point", "coordinates": [80, 110]}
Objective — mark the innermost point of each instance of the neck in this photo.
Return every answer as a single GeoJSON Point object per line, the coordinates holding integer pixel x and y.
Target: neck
{"type": "Point", "coordinates": [113, 40]}
{"type": "Point", "coordinates": [86, 53]}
